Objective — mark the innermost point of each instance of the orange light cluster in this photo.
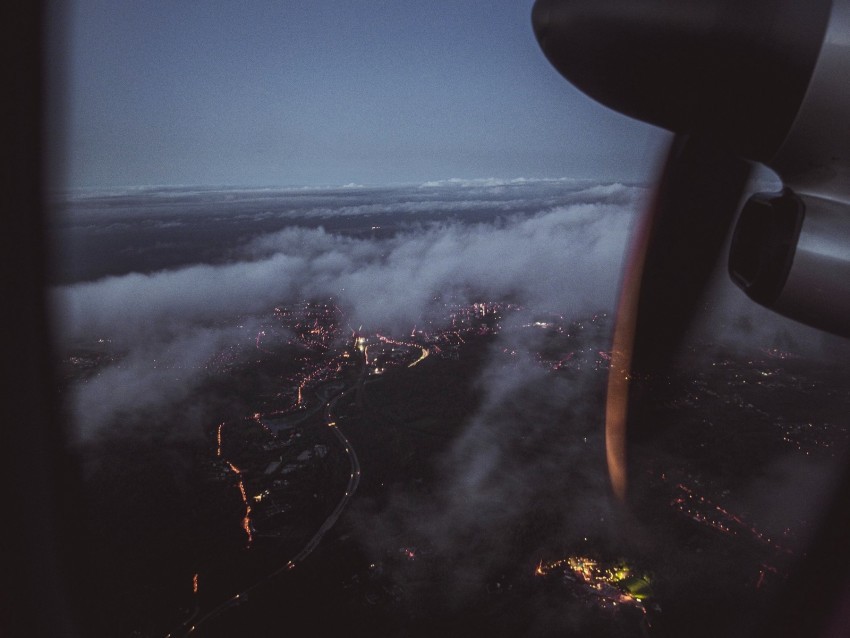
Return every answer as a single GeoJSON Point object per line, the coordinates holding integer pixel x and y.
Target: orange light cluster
{"type": "Point", "coordinates": [218, 438]}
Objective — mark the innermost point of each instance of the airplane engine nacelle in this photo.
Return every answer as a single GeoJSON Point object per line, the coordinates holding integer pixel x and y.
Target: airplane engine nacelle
{"type": "Point", "coordinates": [791, 251]}
{"type": "Point", "coordinates": [768, 80]}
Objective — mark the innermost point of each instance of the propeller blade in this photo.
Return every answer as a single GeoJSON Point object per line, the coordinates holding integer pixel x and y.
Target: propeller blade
{"type": "Point", "coordinates": [764, 80]}
{"type": "Point", "coordinates": [673, 255]}
{"type": "Point", "coordinates": [695, 204]}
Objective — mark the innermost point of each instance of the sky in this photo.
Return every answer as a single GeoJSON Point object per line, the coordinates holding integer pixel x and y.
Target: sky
{"type": "Point", "coordinates": [330, 92]}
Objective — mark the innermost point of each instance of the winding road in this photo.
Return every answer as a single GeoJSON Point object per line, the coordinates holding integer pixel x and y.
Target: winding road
{"type": "Point", "coordinates": [330, 521]}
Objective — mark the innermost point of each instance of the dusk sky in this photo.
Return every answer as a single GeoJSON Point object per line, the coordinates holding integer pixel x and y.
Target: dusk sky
{"type": "Point", "coordinates": [330, 92]}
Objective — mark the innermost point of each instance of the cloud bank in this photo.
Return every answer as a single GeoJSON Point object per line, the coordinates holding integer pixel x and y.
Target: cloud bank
{"type": "Point", "coordinates": [547, 245]}
{"type": "Point", "coordinates": [564, 258]}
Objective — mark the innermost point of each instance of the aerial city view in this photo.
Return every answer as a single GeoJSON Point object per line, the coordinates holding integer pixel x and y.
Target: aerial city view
{"type": "Point", "coordinates": [333, 295]}
{"type": "Point", "coordinates": [440, 468]}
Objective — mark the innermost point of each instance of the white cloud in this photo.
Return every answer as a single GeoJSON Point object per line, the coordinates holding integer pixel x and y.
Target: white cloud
{"type": "Point", "coordinates": [565, 258]}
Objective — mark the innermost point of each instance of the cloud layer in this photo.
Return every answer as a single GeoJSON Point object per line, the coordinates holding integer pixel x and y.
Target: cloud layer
{"type": "Point", "coordinates": [564, 258]}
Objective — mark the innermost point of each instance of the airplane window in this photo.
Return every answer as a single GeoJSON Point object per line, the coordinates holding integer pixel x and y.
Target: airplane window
{"type": "Point", "coordinates": [334, 291]}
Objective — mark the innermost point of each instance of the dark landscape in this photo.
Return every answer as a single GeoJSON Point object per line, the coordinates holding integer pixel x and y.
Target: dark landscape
{"type": "Point", "coordinates": [379, 412]}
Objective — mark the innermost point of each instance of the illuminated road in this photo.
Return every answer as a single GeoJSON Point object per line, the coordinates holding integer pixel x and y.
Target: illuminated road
{"type": "Point", "coordinates": [330, 521]}
{"type": "Point", "coordinates": [327, 370]}
{"type": "Point", "coordinates": [425, 353]}
{"type": "Point", "coordinates": [423, 356]}
{"type": "Point", "coordinates": [353, 482]}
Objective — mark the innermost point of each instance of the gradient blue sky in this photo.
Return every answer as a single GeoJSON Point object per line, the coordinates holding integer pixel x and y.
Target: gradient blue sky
{"type": "Point", "coordinates": [326, 92]}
